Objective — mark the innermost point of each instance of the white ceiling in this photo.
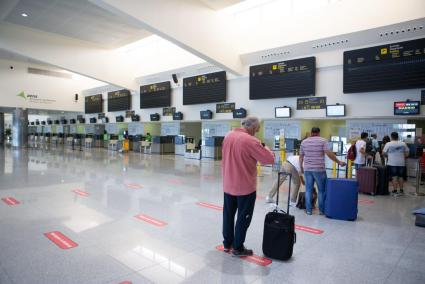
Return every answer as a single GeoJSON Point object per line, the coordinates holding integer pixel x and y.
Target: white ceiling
{"type": "Point", "coordinates": [220, 4]}
{"type": "Point", "coordinates": [72, 18]}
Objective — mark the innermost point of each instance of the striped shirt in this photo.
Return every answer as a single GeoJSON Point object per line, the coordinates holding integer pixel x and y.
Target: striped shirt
{"type": "Point", "coordinates": [313, 149]}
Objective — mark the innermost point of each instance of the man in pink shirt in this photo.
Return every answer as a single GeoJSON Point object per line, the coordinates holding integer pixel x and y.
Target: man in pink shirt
{"type": "Point", "coordinates": [241, 151]}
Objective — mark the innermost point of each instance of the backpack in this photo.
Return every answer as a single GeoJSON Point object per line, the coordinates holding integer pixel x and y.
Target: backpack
{"type": "Point", "coordinates": [352, 153]}
{"type": "Point", "coordinates": [369, 147]}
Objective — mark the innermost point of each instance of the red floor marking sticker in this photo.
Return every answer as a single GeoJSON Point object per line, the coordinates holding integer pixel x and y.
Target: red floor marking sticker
{"type": "Point", "coordinates": [126, 282]}
{"type": "Point", "coordinates": [260, 197]}
{"type": "Point", "coordinates": [133, 185]}
{"type": "Point", "coordinates": [150, 220]}
{"type": "Point", "coordinates": [80, 192]}
{"type": "Point", "coordinates": [10, 201]}
{"type": "Point", "coordinates": [263, 261]}
{"type": "Point", "coordinates": [175, 181]}
{"type": "Point", "coordinates": [308, 229]}
{"type": "Point", "coordinates": [60, 240]}
{"type": "Point", "coordinates": [208, 177]}
{"type": "Point", "coordinates": [366, 201]}
{"type": "Point", "coordinates": [209, 205]}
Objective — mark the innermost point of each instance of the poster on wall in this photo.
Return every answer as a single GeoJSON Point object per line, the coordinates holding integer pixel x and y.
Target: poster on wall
{"type": "Point", "coordinates": [170, 128]}
{"type": "Point", "coordinates": [111, 128]}
{"type": "Point", "coordinates": [210, 129]}
{"type": "Point", "coordinates": [355, 128]}
{"type": "Point", "coordinates": [135, 128]}
{"type": "Point", "coordinates": [288, 129]}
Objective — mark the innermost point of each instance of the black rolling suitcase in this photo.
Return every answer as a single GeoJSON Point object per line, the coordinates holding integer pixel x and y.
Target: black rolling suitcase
{"type": "Point", "coordinates": [279, 234]}
{"type": "Point", "coordinates": [383, 180]}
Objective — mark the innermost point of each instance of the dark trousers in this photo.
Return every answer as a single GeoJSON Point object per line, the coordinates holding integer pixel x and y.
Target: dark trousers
{"type": "Point", "coordinates": [244, 205]}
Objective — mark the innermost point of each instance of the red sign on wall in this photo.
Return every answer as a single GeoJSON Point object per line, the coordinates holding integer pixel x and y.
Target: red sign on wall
{"type": "Point", "coordinates": [61, 240]}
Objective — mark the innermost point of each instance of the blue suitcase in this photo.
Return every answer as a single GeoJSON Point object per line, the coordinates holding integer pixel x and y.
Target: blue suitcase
{"type": "Point", "coordinates": [341, 199]}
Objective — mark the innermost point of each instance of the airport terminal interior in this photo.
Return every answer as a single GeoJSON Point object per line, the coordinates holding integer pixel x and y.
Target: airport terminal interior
{"type": "Point", "coordinates": [114, 114]}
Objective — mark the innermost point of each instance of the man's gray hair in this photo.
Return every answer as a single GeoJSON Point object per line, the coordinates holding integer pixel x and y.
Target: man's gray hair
{"type": "Point", "coordinates": [250, 121]}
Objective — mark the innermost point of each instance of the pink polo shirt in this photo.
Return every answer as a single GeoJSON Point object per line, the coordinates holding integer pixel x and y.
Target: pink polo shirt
{"type": "Point", "coordinates": [240, 154]}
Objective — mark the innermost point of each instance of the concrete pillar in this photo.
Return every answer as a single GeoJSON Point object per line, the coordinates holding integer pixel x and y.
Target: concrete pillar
{"type": "Point", "coordinates": [20, 128]}
{"type": "Point", "coordinates": [2, 128]}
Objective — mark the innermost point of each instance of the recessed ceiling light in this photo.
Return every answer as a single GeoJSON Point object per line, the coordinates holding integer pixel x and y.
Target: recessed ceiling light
{"type": "Point", "coordinates": [24, 15]}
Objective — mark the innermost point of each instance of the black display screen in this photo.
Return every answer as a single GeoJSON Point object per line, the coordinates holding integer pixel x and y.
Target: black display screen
{"type": "Point", "coordinates": [93, 104]}
{"type": "Point", "coordinates": [207, 88]}
{"type": "Point", "coordinates": [393, 66]}
{"type": "Point", "coordinates": [119, 100]}
{"type": "Point", "coordinates": [311, 103]}
{"type": "Point", "coordinates": [155, 95]}
{"type": "Point", "coordinates": [292, 78]}
{"type": "Point", "coordinates": [225, 107]}
{"type": "Point", "coordinates": [407, 108]}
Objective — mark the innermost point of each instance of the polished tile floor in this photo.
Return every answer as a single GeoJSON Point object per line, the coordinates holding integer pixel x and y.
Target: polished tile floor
{"type": "Point", "coordinates": [137, 218]}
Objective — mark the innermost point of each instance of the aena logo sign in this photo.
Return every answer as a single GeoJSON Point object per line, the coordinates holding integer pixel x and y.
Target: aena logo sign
{"type": "Point", "coordinates": [22, 95]}
{"type": "Point", "coordinates": [34, 98]}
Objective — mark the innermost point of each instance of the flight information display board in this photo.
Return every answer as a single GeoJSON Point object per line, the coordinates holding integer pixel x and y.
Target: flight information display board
{"type": "Point", "coordinates": [292, 78]}
{"type": "Point", "coordinates": [93, 104]}
{"type": "Point", "coordinates": [207, 88]}
{"type": "Point", "coordinates": [407, 108]}
{"type": "Point", "coordinates": [155, 95]}
{"type": "Point", "coordinates": [311, 103]}
{"type": "Point", "coordinates": [393, 66]}
{"type": "Point", "coordinates": [225, 108]}
{"type": "Point", "coordinates": [119, 100]}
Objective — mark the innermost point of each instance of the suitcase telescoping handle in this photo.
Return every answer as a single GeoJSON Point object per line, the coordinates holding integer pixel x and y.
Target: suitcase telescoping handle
{"type": "Point", "coordinates": [279, 174]}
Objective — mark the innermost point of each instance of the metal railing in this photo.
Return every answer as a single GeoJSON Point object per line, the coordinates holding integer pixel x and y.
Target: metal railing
{"type": "Point", "coordinates": [418, 179]}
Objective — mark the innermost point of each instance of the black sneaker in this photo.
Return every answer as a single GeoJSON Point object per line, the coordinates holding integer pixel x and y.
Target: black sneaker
{"type": "Point", "coordinates": [401, 191]}
{"type": "Point", "coordinates": [227, 249]}
{"type": "Point", "coordinates": [394, 192]}
{"type": "Point", "coordinates": [242, 252]}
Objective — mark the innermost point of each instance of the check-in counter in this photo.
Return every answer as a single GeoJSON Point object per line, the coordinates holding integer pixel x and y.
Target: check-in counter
{"type": "Point", "coordinates": [54, 139]}
{"type": "Point", "coordinates": [145, 147]}
{"type": "Point", "coordinates": [162, 145]}
{"type": "Point", "coordinates": [135, 142]}
{"type": "Point", "coordinates": [60, 138]}
{"type": "Point", "coordinates": [69, 139]}
{"type": "Point", "coordinates": [114, 144]}
{"type": "Point", "coordinates": [179, 145]}
{"type": "Point", "coordinates": [88, 141]}
{"type": "Point", "coordinates": [212, 147]}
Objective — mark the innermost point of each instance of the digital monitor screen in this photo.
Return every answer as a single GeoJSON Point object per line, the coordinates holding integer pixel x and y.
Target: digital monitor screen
{"type": "Point", "coordinates": [291, 78]}
{"type": "Point", "coordinates": [155, 95]}
{"type": "Point", "coordinates": [335, 110]}
{"type": "Point", "coordinates": [407, 108]}
{"type": "Point", "coordinates": [280, 112]}
{"type": "Point", "coordinates": [207, 88]}
{"type": "Point", "coordinates": [393, 66]}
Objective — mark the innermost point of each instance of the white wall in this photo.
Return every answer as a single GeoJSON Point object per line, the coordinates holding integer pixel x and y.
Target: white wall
{"type": "Point", "coordinates": [329, 83]}
{"type": "Point", "coordinates": [53, 93]}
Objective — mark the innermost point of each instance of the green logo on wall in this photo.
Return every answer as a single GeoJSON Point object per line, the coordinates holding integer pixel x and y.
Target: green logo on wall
{"type": "Point", "coordinates": [22, 95]}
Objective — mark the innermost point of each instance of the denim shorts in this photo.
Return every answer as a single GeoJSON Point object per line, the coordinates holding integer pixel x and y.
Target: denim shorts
{"type": "Point", "coordinates": [396, 171]}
